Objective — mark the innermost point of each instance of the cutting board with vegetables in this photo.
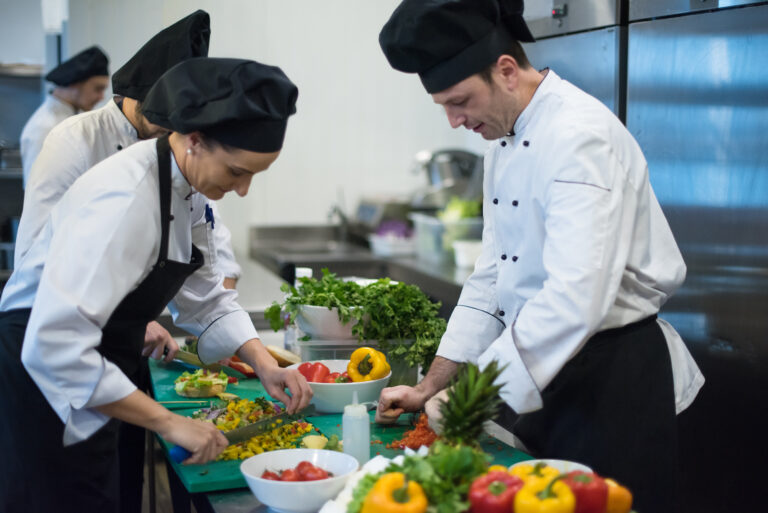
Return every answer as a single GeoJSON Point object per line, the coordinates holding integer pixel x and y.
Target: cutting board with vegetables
{"type": "Point", "coordinates": [216, 475]}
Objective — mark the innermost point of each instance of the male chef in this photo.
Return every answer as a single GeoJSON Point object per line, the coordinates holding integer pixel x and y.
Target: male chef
{"type": "Point", "coordinates": [577, 255]}
{"type": "Point", "coordinates": [81, 142]}
{"type": "Point", "coordinates": [79, 84]}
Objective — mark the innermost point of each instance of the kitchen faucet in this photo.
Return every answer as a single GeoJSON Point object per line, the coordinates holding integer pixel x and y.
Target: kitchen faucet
{"type": "Point", "coordinates": [343, 221]}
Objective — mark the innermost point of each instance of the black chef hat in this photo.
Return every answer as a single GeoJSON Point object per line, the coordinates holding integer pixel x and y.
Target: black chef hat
{"type": "Point", "coordinates": [89, 63]}
{"type": "Point", "coordinates": [183, 40]}
{"type": "Point", "coordinates": [446, 41]}
{"type": "Point", "coordinates": [236, 102]}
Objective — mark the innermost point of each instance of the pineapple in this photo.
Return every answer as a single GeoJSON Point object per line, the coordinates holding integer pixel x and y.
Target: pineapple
{"type": "Point", "coordinates": [473, 399]}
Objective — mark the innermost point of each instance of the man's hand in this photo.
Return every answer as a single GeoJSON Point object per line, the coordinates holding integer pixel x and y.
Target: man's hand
{"type": "Point", "coordinates": [395, 401]}
{"type": "Point", "coordinates": [157, 340]}
{"type": "Point", "coordinates": [276, 379]}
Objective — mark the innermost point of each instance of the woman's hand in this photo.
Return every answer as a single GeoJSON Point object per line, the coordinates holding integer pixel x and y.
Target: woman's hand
{"type": "Point", "coordinates": [276, 380]}
{"type": "Point", "coordinates": [156, 340]}
{"type": "Point", "coordinates": [202, 439]}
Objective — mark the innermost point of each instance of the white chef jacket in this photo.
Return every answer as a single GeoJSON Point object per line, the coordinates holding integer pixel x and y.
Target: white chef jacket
{"type": "Point", "coordinates": [101, 240]}
{"type": "Point", "coordinates": [71, 149]}
{"type": "Point", "coordinates": [574, 242]}
{"type": "Point", "coordinates": [52, 112]}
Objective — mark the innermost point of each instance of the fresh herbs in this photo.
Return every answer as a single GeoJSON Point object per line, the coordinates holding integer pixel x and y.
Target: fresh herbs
{"type": "Point", "coordinates": [400, 317]}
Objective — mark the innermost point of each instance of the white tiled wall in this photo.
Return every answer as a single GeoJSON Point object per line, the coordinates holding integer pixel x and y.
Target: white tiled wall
{"type": "Point", "coordinates": [359, 122]}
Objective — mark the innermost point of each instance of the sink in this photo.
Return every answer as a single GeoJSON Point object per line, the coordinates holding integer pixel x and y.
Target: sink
{"type": "Point", "coordinates": [303, 240]}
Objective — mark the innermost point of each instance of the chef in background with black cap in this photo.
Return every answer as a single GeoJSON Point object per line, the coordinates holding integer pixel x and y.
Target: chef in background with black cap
{"type": "Point", "coordinates": [79, 84]}
{"type": "Point", "coordinates": [117, 247]}
{"type": "Point", "coordinates": [577, 256]}
{"type": "Point", "coordinates": [82, 141]}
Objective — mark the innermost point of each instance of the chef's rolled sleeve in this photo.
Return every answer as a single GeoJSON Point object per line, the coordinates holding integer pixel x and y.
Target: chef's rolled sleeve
{"type": "Point", "coordinates": [225, 336]}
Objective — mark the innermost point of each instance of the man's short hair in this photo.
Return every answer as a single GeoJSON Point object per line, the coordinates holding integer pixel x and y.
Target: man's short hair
{"type": "Point", "coordinates": [515, 51]}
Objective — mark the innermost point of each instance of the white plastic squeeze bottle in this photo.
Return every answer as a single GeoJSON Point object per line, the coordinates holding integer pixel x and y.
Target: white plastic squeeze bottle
{"type": "Point", "coordinates": [356, 431]}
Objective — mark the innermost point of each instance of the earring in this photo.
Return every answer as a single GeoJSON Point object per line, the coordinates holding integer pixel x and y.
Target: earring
{"type": "Point", "coordinates": [189, 151]}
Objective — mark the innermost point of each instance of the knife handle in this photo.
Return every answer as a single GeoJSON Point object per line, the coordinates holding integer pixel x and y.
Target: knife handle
{"type": "Point", "coordinates": [178, 454]}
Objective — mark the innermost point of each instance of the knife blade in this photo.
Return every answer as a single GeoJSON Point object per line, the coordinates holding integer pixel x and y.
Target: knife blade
{"type": "Point", "coordinates": [179, 454]}
{"type": "Point", "coordinates": [193, 359]}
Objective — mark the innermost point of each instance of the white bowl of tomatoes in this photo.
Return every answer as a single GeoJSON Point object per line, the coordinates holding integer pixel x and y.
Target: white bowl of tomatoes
{"type": "Point", "coordinates": [297, 480]}
{"type": "Point", "coordinates": [333, 393]}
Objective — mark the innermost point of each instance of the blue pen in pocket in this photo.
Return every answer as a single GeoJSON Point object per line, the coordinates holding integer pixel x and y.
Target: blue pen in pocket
{"type": "Point", "coordinates": [209, 215]}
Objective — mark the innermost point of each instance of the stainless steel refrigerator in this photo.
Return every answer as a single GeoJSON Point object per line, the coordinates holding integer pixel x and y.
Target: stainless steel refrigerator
{"type": "Point", "coordinates": [697, 102]}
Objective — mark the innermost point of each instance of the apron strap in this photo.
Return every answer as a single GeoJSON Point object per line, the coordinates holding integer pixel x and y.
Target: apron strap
{"type": "Point", "coordinates": [164, 175]}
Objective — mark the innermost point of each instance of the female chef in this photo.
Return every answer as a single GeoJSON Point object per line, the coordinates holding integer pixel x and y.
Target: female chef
{"type": "Point", "coordinates": [116, 250]}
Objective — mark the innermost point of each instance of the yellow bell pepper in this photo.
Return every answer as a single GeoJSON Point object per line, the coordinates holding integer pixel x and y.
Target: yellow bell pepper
{"type": "Point", "coordinates": [619, 498]}
{"type": "Point", "coordinates": [497, 468]}
{"type": "Point", "coordinates": [538, 496]}
{"type": "Point", "coordinates": [539, 472]}
{"type": "Point", "coordinates": [367, 364]}
{"type": "Point", "coordinates": [392, 494]}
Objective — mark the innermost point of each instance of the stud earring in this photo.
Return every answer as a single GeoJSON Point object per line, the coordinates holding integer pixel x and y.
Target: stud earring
{"type": "Point", "coordinates": [189, 151]}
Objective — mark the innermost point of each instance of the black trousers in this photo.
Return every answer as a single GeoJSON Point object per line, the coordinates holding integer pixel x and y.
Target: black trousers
{"type": "Point", "coordinates": [39, 474]}
{"type": "Point", "coordinates": [612, 407]}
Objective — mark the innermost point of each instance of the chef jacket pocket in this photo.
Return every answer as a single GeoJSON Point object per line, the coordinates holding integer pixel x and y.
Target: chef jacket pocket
{"type": "Point", "coordinates": [577, 220]}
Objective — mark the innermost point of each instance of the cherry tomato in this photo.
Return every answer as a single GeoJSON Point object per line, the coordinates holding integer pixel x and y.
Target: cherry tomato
{"type": "Point", "coordinates": [314, 474]}
{"type": "Point", "coordinates": [302, 467]}
{"type": "Point", "coordinates": [270, 475]}
{"type": "Point", "coordinates": [290, 474]}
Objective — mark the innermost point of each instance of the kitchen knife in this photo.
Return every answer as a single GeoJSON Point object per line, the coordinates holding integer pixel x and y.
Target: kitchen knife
{"type": "Point", "coordinates": [193, 359]}
{"type": "Point", "coordinates": [179, 454]}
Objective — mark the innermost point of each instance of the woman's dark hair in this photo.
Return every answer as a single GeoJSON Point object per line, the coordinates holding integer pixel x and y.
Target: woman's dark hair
{"type": "Point", "coordinates": [209, 143]}
{"type": "Point", "coordinates": [516, 52]}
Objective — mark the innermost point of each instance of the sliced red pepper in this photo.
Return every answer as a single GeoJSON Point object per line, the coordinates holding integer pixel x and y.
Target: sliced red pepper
{"type": "Point", "coordinates": [494, 492]}
{"type": "Point", "coordinates": [590, 490]}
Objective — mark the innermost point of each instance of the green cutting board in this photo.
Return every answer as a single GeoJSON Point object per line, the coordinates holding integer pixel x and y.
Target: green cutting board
{"type": "Point", "coordinates": [225, 475]}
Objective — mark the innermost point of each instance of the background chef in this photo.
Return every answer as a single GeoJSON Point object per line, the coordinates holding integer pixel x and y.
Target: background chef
{"type": "Point", "coordinates": [79, 84]}
{"type": "Point", "coordinates": [577, 256]}
{"type": "Point", "coordinates": [121, 247]}
{"type": "Point", "coordinates": [82, 141]}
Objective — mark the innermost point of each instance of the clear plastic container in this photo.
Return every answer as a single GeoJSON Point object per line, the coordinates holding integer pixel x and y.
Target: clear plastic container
{"type": "Point", "coordinates": [434, 238]}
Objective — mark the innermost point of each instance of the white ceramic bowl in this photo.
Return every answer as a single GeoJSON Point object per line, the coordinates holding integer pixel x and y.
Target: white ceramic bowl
{"type": "Point", "coordinates": [297, 496]}
{"type": "Point", "coordinates": [332, 397]}
{"type": "Point", "coordinates": [561, 465]}
{"type": "Point", "coordinates": [323, 323]}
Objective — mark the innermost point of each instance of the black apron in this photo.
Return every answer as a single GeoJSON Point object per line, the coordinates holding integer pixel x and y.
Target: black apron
{"type": "Point", "coordinates": [38, 474]}
{"type": "Point", "coordinates": [612, 407]}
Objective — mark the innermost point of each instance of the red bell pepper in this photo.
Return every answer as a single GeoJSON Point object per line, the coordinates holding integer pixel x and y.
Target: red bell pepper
{"type": "Point", "coordinates": [590, 490]}
{"type": "Point", "coordinates": [494, 493]}
{"type": "Point", "coordinates": [314, 372]}
{"type": "Point", "coordinates": [332, 377]}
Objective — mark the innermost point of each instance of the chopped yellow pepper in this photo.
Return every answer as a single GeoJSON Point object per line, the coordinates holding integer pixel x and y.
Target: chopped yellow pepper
{"type": "Point", "coordinates": [367, 364]}
{"type": "Point", "coordinates": [392, 494]}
